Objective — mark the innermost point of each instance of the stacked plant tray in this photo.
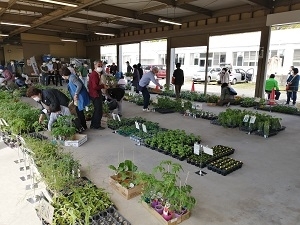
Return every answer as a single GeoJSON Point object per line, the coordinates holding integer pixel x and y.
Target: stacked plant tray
{"type": "Point", "coordinates": [204, 159]}
{"type": "Point", "coordinates": [225, 165]}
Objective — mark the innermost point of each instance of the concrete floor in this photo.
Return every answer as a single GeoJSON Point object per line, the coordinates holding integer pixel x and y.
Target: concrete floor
{"type": "Point", "coordinates": [264, 191]}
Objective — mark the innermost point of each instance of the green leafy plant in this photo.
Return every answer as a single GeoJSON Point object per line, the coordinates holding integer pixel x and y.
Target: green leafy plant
{"type": "Point", "coordinates": [212, 98]}
{"type": "Point", "coordinates": [63, 127]}
{"type": "Point", "coordinates": [125, 173]}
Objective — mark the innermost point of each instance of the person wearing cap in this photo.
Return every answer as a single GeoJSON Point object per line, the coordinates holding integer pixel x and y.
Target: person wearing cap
{"type": "Point", "coordinates": [143, 84]}
{"type": "Point", "coordinates": [129, 68]}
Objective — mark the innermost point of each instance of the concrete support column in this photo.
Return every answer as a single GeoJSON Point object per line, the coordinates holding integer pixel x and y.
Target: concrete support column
{"type": "Point", "coordinates": [206, 65]}
{"type": "Point", "coordinates": [168, 62]}
{"type": "Point", "coordinates": [119, 57]}
{"type": "Point", "coordinates": [262, 62]}
{"type": "Point", "coordinates": [140, 52]}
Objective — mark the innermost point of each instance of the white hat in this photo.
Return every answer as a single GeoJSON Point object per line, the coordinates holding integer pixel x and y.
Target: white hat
{"type": "Point", "coordinates": [122, 82]}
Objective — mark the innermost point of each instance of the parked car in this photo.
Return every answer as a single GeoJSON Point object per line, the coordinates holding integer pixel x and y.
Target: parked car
{"type": "Point", "coordinates": [161, 70]}
{"type": "Point", "coordinates": [212, 73]}
{"type": "Point", "coordinates": [238, 76]}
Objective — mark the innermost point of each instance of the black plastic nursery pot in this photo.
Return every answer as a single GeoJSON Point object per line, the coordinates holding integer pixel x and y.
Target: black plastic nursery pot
{"type": "Point", "coordinates": [164, 111]}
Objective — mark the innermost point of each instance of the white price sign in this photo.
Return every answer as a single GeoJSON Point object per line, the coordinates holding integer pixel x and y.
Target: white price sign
{"type": "Point", "coordinates": [137, 125]}
{"type": "Point", "coordinates": [252, 119]}
{"type": "Point", "coordinates": [208, 151]}
{"type": "Point", "coordinates": [46, 211]}
{"type": "Point", "coordinates": [4, 122]}
{"type": "Point", "coordinates": [144, 128]}
{"type": "Point", "coordinates": [118, 117]}
{"type": "Point", "coordinates": [196, 149]}
{"type": "Point", "coordinates": [246, 118]}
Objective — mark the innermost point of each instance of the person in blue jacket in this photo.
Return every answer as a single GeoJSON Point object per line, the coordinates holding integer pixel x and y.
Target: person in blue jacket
{"type": "Point", "coordinates": [78, 93]}
{"type": "Point", "coordinates": [293, 86]}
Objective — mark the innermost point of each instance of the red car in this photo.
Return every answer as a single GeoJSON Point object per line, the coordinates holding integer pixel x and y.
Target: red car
{"type": "Point", "coordinates": [161, 70]}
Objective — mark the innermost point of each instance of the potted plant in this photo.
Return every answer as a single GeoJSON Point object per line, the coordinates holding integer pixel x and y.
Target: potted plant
{"type": "Point", "coordinates": [125, 180]}
{"type": "Point", "coordinates": [63, 128]}
{"type": "Point", "coordinates": [212, 100]}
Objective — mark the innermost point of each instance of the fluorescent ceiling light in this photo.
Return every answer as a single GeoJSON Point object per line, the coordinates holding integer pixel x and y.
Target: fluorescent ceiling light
{"type": "Point", "coordinates": [169, 22]}
{"type": "Point", "coordinates": [105, 34]}
{"type": "Point", "coordinates": [15, 24]}
{"type": "Point", "coordinates": [59, 3]}
{"type": "Point", "coordinates": [68, 40]}
{"type": "Point", "coordinates": [4, 35]}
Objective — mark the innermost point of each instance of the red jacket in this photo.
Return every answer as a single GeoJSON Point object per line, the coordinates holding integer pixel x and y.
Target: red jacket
{"type": "Point", "coordinates": [94, 85]}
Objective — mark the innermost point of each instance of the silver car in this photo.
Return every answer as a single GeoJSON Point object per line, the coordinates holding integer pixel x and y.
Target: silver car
{"type": "Point", "coordinates": [212, 74]}
{"type": "Point", "coordinates": [238, 76]}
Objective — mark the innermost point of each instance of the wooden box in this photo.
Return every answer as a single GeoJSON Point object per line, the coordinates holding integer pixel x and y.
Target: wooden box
{"type": "Point", "coordinates": [162, 220]}
{"type": "Point", "coordinates": [126, 193]}
{"type": "Point", "coordinates": [158, 216]}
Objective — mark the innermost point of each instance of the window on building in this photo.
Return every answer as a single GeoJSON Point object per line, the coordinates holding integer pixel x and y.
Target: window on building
{"type": "Point", "coordinates": [219, 57]}
{"type": "Point", "coordinates": [240, 61]}
{"type": "Point", "coordinates": [194, 59]}
{"type": "Point", "coordinates": [296, 59]}
{"type": "Point", "coordinates": [179, 58]}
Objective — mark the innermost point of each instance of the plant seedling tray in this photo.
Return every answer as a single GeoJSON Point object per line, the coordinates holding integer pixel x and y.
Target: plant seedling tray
{"type": "Point", "coordinates": [109, 217]}
{"type": "Point", "coordinates": [126, 193]}
{"type": "Point", "coordinates": [164, 111]}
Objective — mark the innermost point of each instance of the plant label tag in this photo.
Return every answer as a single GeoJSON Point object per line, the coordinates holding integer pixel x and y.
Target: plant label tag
{"type": "Point", "coordinates": [4, 122]}
{"type": "Point", "coordinates": [118, 117]}
{"type": "Point", "coordinates": [199, 106]}
{"type": "Point", "coordinates": [196, 149]}
{"type": "Point", "coordinates": [137, 125]}
{"type": "Point", "coordinates": [252, 119]}
{"type": "Point", "coordinates": [257, 99]}
{"type": "Point", "coordinates": [144, 128]}
{"type": "Point", "coordinates": [246, 118]}
{"type": "Point", "coordinates": [208, 151]}
{"type": "Point", "coordinates": [45, 111]}
{"type": "Point", "coordinates": [46, 210]}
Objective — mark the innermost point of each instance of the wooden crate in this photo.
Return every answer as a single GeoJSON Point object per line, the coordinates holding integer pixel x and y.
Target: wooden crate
{"type": "Point", "coordinates": [158, 216]}
{"type": "Point", "coordinates": [126, 193]}
{"type": "Point", "coordinates": [162, 220]}
{"type": "Point", "coordinates": [183, 217]}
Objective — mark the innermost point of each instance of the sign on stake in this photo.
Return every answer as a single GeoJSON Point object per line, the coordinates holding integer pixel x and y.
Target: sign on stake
{"type": "Point", "coordinates": [137, 125]}
{"type": "Point", "coordinates": [246, 118]}
{"type": "Point", "coordinates": [144, 128]}
{"type": "Point", "coordinates": [46, 211]}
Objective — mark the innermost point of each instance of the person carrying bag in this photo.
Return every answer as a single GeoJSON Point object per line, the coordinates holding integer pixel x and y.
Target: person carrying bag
{"type": "Point", "coordinates": [292, 86]}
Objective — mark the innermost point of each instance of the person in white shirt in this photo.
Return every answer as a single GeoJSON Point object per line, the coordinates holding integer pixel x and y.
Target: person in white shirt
{"type": "Point", "coordinates": [224, 76]}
